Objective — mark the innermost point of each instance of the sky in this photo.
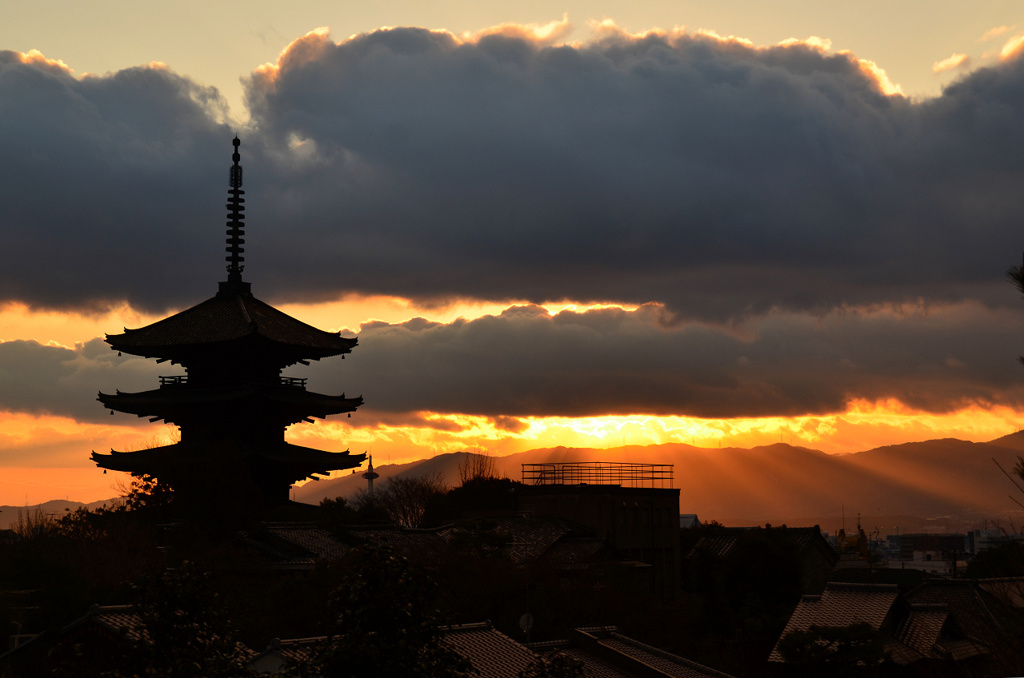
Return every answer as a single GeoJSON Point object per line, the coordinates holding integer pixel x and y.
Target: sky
{"type": "Point", "coordinates": [586, 224]}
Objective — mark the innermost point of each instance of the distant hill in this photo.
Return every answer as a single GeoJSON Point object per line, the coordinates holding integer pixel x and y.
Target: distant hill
{"type": "Point", "coordinates": [53, 509]}
{"type": "Point", "coordinates": [936, 485]}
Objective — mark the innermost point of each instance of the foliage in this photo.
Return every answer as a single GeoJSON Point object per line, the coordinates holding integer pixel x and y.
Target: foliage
{"type": "Point", "coordinates": [474, 497]}
{"type": "Point", "coordinates": [184, 630]}
{"type": "Point", "coordinates": [484, 538]}
{"type": "Point", "coordinates": [33, 523]}
{"type": "Point", "coordinates": [559, 665]}
{"type": "Point", "coordinates": [476, 467]}
{"type": "Point", "coordinates": [853, 650]}
{"type": "Point", "coordinates": [386, 626]}
{"type": "Point", "coordinates": [1004, 560]}
{"type": "Point", "coordinates": [147, 494]}
{"type": "Point", "coordinates": [404, 498]}
{"type": "Point", "coordinates": [337, 513]}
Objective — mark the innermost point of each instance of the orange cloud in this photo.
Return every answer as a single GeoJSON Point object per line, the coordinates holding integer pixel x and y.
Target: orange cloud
{"type": "Point", "coordinates": [951, 62]}
{"type": "Point", "coordinates": [995, 32]}
{"type": "Point", "coordinates": [1013, 47]}
{"type": "Point", "coordinates": [34, 56]}
{"type": "Point", "coordinates": [878, 74]}
{"type": "Point", "coordinates": [814, 42]}
{"type": "Point", "coordinates": [308, 48]}
{"type": "Point", "coordinates": [541, 34]}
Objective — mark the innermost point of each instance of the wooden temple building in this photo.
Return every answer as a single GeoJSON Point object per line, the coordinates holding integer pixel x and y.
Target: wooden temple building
{"type": "Point", "coordinates": [232, 404]}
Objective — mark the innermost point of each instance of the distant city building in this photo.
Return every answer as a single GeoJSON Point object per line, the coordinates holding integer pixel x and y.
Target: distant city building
{"type": "Point", "coordinates": [232, 403]}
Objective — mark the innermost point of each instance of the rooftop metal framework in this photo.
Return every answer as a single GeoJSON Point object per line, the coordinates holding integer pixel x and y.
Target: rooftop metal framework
{"type": "Point", "coordinates": [624, 474]}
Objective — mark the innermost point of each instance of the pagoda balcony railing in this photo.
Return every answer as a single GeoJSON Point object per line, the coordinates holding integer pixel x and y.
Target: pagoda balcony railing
{"type": "Point", "coordinates": [625, 474]}
{"type": "Point", "coordinates": [180, 379]}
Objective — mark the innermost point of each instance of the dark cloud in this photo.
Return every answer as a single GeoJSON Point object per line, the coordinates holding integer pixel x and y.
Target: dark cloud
{"type": "Point", "coordinates": [708, 175]}
{"type": "Point", "coordinates": [711, 176]}
{"type": "Point", "coordinates": [109, 185]}
{"type": "Point", "coordinates": [40, 379]}
{"type": "Point", "coordinates": [525, 362]}
{"type": "Point", "coordinates": [806, 238]}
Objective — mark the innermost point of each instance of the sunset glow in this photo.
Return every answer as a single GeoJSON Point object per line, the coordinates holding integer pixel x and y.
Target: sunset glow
{"type": "Point", "coordinates": [632, 225]}
{"type": "Point", "coordinates": [62, 444]}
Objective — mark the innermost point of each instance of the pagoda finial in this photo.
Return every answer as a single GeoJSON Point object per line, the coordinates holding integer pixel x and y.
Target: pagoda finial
{"type": "Point", "coordinates": [236, 228]}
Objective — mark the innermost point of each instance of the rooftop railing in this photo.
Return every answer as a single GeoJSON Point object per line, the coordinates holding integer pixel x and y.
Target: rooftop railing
{"type": "Point", "coordinates": [625, 474]}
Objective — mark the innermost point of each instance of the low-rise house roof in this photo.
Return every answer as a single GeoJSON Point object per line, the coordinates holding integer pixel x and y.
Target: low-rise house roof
{"type": "Point", "coordinates": [911, 631]}
{"type": "Point", "coordinates": [491, 652]}
{"type": "Point", "coordinates": [606, 653]}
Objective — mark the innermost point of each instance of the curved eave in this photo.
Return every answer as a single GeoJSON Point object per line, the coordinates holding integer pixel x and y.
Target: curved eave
{"type": "Point", "coordinates": [224, 320]}
{"type": "Point", "coordinates": [170, 403]}
{"type": "Point", "coordinates": [319, 461]}
{"type": "Point", "coordinates": [139, 461]}
{"type": "Point", "coordinates": [295, 461]}
{"type": "Point", "coordinates": [280, 353]}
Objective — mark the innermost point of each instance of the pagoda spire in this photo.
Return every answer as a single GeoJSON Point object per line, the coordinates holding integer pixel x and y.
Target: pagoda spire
{"type": "Point", "coordinates": [235, 229]}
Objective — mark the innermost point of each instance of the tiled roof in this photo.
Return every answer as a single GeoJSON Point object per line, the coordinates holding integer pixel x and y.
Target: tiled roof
{"type": "Point", "coordinates": [397, 537]}
{"type": "Point", "coordinates": [841, 605]}
{"type": "Point", "coordinates": [120, 619]}
{"type": "Point", "coordinates": [964, 601]}
{"type": "Point", "coordinates": [491, 652]}
{"type": "Point", "coordinates": [900, 653]}
{"type": "Point", "coordinates": [280, 653]}
{"type": "Point", "coordinates": [571, 553]}
{"type": "Point", "coordinates": [1009, 589]}
{"type": "Point", "coordinates": [962, 649]}
{"type": "Point", "coordinates": [984, 612]}
{"type": "Point", "coordinates": [669, 664]}
{"type": "Point", "coordinates": [923, 627]}
{"type": "Point", "coordinates": [224, 319]}
{"type": "Point", "coordinates": [716, 545]}
{"type": "Point", "coordinates": [592, 667]}
{"type": "Point", "coordinates": [316, 541]}
{"type": "Point", "coordinates": [529, 538]}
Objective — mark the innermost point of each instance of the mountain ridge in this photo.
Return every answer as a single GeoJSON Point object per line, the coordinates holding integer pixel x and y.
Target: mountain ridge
{"type": "Point", "coordinates": [946, 484]}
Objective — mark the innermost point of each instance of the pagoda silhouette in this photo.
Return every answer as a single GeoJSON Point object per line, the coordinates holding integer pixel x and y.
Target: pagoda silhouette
{"type": "Point", "coordinates": [232, 404]}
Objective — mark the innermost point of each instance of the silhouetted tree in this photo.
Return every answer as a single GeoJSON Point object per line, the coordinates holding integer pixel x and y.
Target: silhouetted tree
{"type": "Point", "coordinates": [404, 498]}
{"type": "Point", "coordinates": [1004, 560]}
{"type": "Point", "coordinates": [181, 632]}
{"type": "Point", "coordinates": [855, 650]}
{"type": "Point", "coordinates": [477, 466]}
{"type": "Point", "coordinates": [386, 624]}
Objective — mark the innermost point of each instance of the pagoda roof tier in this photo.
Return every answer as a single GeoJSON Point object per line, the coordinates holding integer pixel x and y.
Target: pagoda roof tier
{"type": "Point", "coordinates": [290, 403]}
{"type": "Point", "coordinates": [181, 459]}
{"type": "Point", "coordinates": [227, 319]}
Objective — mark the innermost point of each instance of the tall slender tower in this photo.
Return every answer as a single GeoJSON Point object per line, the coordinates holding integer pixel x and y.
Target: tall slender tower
{"type": "Point", "coordinates": [370, 476]}
{"type": "Point", "coordinates": [232, 402]}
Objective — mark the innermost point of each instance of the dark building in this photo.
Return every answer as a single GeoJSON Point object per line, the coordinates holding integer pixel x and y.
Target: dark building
{"type": "Point", "coordinates": [232, 403]}
{"type": "Point", "coordinates": [631, 507]}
